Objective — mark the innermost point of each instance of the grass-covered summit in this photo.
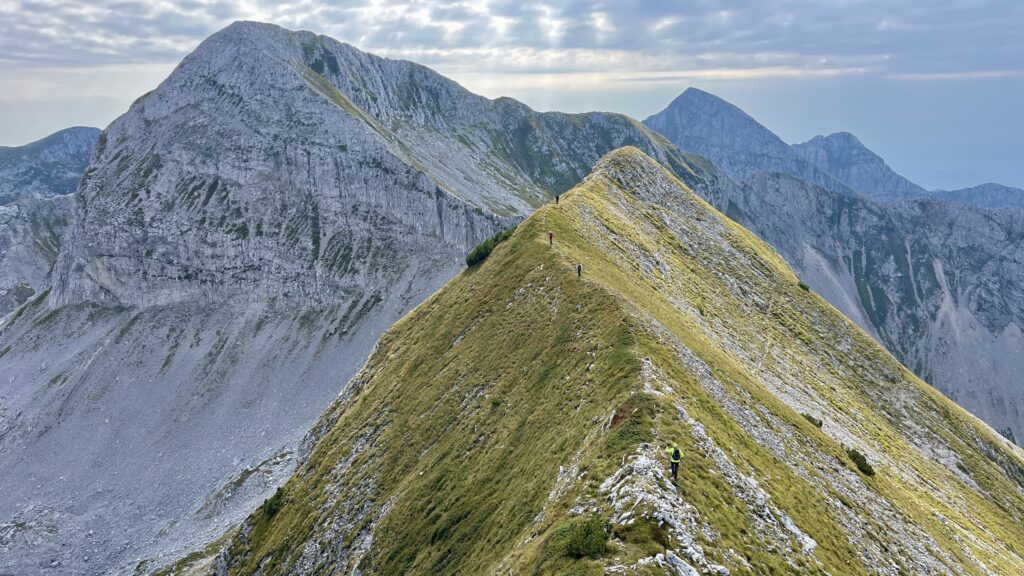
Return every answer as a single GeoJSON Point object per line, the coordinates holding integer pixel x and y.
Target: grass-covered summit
{"type": "Point", "coordinates": [516, 422]}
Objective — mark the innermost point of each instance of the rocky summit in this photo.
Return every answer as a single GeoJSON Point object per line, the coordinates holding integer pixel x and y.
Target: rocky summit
{"type": "Point", "coordinates": [241, 238]}
{"type": "Point", "coordinates": [518, 421]}
{"type": "Point", "coordinates": [704, 124]}
{"type": "Point", "coordinates": [845, 157]}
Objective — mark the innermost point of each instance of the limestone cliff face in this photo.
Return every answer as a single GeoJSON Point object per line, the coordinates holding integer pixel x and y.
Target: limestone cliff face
{"type": "Point", "coordinates": [274, 162]}
{"type": "Point", "coordinates": [36, 208]}
{"type": "Point", "coordinates": [31, 233]}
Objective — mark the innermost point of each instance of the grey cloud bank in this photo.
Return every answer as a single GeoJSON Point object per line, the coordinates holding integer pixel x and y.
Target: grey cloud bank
{"type": "Point", "coordinates": [931, 86]}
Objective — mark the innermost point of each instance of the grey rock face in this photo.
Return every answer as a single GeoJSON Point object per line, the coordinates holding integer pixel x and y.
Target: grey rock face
{"type": "Point", "coordinates": [243, 236]}
{"type": "Point", "coordinates": [47, 167]}
{"type": "Point", "coordinates": [31, 234]}
{"type": "Point", "coordinates": [704, 124]}
{"type": "Point", "coordinates": [36, 208]}
{"type": "Point", "coordinates": [845, 157]}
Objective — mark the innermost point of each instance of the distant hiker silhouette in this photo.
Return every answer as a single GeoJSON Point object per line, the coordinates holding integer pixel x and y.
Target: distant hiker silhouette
{"type": "Point", "coordinates": [675, 455]}
{"type": "Point", "coordinates": [551, 238]}
{"type": "Point", "coordinates": [579, 270]}
{"type": "Point", "coordinates": [556, 198]}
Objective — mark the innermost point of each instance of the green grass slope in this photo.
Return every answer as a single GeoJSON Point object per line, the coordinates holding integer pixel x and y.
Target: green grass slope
{"type": "Point", "coordinates": [516, 422]}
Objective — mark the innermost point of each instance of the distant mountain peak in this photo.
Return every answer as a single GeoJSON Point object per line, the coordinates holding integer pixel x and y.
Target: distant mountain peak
{"type": "Point", "coordinates": [704, 124]}
{"type": "Point", "coordinates": [50, 166]}
{"type": "Point", "coordinates": [847, 158]}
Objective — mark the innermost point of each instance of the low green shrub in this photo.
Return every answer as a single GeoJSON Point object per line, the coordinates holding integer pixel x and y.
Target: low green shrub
{"type": "Point", "coordinates": [803, 286]}
{"type": "Point", "coordinates": [481, 252]}
{"type": "Point", "coordinates": [273, 505]}
{"type": "Point", "coordinates": [860, 461]}
{"type": "Point", "coordinates": [580, 538]}
{"type": "Point", "coordinates": [812, 419]}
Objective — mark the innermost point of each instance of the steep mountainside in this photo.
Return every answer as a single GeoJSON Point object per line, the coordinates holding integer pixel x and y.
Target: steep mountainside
{"type": "Point", "coordinates": [843, 156]}
{"type": "Point", "coordinates": [47, 167]}
{"type": "Point", "coordinates": [508, 421]}
{"type": "Point", "coordinates": [936, 283]}
{"type": "Point", "coordinates": [243, 236]}
{"type": "Point", "coordinates": [704, 124]}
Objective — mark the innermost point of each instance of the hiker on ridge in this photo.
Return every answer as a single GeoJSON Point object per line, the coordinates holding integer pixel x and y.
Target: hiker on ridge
{"type": "Point", "coordinates": [675, 455]}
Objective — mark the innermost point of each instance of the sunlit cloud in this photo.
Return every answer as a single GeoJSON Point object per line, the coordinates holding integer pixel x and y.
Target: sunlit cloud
{"type": "Point", "coordinates": [967, 75]}
{"type": "Point", "coordinates": [918, 38]}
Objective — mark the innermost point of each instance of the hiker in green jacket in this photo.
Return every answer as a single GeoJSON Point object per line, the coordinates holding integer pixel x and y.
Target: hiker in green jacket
{"type": "Point", "coordinates": [675, 455]}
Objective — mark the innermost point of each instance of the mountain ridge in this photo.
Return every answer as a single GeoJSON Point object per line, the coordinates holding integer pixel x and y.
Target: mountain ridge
{"type": "Point", "coordinates": [704, 124]}
{"type": "Point", "coordinates": [523, 438]}
{"type": "Point", "coordinates": [843, 155]}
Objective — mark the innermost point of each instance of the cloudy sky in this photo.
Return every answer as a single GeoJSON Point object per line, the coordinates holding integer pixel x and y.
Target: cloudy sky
{"type": "Point", "coordinates": [935, 86]}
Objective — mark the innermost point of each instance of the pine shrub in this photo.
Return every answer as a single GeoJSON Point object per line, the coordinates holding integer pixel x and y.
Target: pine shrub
{"type": "Point", "coordinates": [812, 419]}
{"type": "Point", "coordinates": [273, 505]}
{"type": "Point", "coordinates": [860, 461]}
{"type": "Point", "coordinates": [481, 252]}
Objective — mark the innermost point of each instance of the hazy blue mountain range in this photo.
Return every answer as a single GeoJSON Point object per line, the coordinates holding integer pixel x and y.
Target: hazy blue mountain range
{"type": "Point", "coordinates": [703, 124]}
